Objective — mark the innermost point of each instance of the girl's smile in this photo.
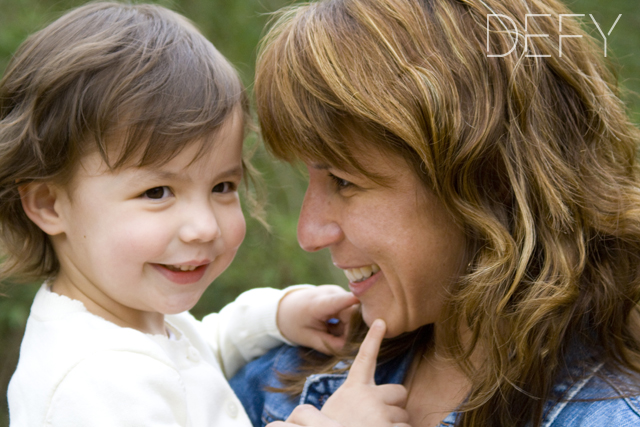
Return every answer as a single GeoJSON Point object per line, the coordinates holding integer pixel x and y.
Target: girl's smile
{"type": "Point", "coordinates": [183, 274]}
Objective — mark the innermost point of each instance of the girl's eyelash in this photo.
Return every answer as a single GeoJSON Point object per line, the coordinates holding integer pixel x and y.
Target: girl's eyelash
{"type": "Point", "coordinates": [225, 187]}
{"type": "Point", "coordinates": [157, 193]}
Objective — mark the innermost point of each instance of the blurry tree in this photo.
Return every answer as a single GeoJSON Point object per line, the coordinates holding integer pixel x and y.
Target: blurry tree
{"type": "Point", "coordinates": [265, 258]}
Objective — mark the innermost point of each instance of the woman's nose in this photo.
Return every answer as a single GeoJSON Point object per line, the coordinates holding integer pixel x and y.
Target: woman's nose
{"type": "Point", "coordinates": [200, 225]}
{"type": "Point", "coordinates": [316, 227]}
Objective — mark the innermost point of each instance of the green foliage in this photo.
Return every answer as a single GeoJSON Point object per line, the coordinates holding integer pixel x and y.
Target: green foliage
{"type": "Point", "coordinates": [265, 258]}
{"type": "Point", "coordinates": [623, 44]}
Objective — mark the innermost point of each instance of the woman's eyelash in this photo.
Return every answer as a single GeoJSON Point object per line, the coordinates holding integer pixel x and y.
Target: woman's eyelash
{"type": "Point", "coordinates": [340, 182]}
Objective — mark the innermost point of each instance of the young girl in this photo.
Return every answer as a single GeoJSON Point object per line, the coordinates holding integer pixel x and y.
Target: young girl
{"type": "Point", "coordinates": [121, 134]}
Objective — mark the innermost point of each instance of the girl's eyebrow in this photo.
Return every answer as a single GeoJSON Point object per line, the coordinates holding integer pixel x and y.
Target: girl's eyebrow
{"type": "Point", "coordinates": [233, 172]}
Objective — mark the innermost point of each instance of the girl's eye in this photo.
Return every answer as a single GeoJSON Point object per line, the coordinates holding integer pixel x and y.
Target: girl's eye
{"type": "Point", "coordinates": [157, 193]}
{"type": "Point", "coordinates": [224, 187]}
{"type": "Point", "coordinates": [340, 183]}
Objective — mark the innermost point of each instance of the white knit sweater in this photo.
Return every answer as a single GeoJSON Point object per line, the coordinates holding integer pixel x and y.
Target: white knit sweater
{"type": "Point", "coordinates": [77, 369]}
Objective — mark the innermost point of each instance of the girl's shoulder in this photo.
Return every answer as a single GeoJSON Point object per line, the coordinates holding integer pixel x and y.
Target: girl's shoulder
{"type": "Point", "coordinates": [76, 367]}
{"type": "Point", "coordinates": [109, 385]}
{"type": "Point", "coordinates": [68, 354]}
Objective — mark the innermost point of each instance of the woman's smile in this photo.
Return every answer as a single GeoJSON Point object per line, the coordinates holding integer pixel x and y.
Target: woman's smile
{"type": "Point", "coordinates": [363, 278]}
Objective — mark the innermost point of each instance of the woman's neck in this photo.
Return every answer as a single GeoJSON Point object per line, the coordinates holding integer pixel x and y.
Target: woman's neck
{"type": "Point", "coordinates": [436, 384]}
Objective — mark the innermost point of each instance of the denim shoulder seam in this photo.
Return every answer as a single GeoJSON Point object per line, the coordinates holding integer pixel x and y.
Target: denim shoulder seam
{"type": "Point", "coordinates": [634, 405]}
{"type": "Point", "coordinates": [632, 402]}
{"type": "Point", "coordinates": [555, 411]}
{"type": "Point", "coordinates": [313, 379]}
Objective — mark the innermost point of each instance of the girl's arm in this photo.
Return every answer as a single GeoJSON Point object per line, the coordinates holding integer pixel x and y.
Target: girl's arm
{"type": "Point", "coordinates": [263, 318]}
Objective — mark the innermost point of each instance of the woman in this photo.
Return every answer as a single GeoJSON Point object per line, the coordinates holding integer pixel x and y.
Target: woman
{"type": "Point", "coordinates": [481, 192]}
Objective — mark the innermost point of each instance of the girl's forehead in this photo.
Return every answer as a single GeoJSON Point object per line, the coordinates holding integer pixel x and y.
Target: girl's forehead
{"type": "Point", "coordinates": [201, 160]}
{"type": "Point", "coordinates": [144, 147]}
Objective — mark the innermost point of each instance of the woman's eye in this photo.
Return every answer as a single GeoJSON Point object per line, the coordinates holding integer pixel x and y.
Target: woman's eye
{"type": "Point", "coordinates": [157, 193]}
{"type": "Point", "coordinates": [224, 187]}
{"type": "Point", "coordinates": [340, 183]}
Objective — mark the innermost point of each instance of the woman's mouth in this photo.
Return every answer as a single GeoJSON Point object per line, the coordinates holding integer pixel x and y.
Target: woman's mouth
{"type": "Point", "coordinates": [361, 278]}
{"type": "Point", "coordinates": [356, 275]}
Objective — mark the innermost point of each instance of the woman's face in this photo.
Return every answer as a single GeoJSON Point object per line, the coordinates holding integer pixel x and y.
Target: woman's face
{"type": "Point", "coordinates": [398, 246]}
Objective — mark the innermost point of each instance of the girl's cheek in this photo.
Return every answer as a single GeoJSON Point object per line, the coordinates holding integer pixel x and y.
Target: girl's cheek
{"type": "Point", "coordinates": [237, 229]}
{"type": "Point", "coordinates": [139, 237]}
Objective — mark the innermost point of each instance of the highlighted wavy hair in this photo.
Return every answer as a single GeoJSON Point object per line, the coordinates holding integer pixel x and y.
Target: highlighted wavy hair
{"type": "Point", "coordinates": [535, 157]}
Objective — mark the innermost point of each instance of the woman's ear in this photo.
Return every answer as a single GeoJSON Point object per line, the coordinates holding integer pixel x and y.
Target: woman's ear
{"type": "Point", "coordinates": [39, 203]}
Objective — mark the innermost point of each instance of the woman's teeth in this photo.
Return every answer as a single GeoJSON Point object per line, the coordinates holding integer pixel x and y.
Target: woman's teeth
{"type": "Point", "coordinates": [181, 267]}
{"type": "Point", "coordinates": [359, 274]}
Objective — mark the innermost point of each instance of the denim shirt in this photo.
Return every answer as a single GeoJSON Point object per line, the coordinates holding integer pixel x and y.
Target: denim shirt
{"type": "Point", "coordinates": [588, 402]}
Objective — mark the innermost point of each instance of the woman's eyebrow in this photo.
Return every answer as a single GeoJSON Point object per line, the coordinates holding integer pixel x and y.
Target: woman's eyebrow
{"type": "Point", "coordinates": [320, 166]}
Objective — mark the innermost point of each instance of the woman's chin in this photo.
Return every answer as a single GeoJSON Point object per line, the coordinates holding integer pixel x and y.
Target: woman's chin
{"type": "Point", "coordinates": [392, 328]}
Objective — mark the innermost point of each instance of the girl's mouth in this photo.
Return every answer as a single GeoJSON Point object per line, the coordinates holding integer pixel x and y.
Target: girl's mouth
{"type": "Point", "coordinates": [180, 267]}
{"type": "Point", "coordinates": [182, 274]}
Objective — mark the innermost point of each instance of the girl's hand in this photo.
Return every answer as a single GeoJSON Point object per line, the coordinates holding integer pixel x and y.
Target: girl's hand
{"type": "Point", "coordinates": [359, 402]}
{"type": "Point", "coordinates": [316, 317]}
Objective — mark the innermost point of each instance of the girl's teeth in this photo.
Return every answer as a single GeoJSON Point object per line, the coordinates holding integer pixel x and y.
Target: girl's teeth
{"type": "Point", "coordinates": [359, 274]}
{"type": "Point", "coordinates": [181, 267]}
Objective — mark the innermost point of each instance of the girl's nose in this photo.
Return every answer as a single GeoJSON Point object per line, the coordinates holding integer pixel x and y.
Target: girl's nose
{"type": "Point", "coordinates": [200, 225]}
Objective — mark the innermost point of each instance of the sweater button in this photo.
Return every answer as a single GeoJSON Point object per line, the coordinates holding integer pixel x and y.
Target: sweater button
{"type": "Point", "coordinates": [232, 409]}
{"type": "Point", "coordinates": [193, 355]}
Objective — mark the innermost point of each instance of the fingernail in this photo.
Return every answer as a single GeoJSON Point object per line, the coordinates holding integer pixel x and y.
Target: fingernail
{"type": "Point", "coordinates": [378, 323]}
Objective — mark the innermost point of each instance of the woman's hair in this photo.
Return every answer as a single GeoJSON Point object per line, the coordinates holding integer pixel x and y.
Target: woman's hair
{"type": "Point", "coordinates": [136, 83]}
{"type": "Point", "coordinates": [532, 153]}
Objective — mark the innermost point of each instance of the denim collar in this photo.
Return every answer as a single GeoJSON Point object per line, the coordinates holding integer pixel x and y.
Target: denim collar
{"type": "Point", "coordinates": [319, 387]}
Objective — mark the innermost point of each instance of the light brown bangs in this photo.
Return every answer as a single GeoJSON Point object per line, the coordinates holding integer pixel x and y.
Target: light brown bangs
{"type": "Point", "coordinates": [298, 117]}
{"type": "Point", "coordinates": [312, 76]}
{"type": "Point", "coordinates": [352, 63]}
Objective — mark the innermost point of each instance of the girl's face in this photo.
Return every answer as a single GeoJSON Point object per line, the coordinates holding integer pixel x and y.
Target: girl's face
{"type": "Point", "coordinates": [398, 246]}
{"type": "Point", "coordinates": [139, 243]}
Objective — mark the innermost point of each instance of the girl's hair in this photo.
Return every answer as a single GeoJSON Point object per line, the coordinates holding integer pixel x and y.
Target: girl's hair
{"type": "Point", "coordinates": [535, 157]}
{"type": "Point", "coordinates": [136, 83]}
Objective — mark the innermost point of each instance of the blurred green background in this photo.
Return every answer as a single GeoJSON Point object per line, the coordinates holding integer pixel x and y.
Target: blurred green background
{"type": "Point", "coordinates": [266, 258]}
